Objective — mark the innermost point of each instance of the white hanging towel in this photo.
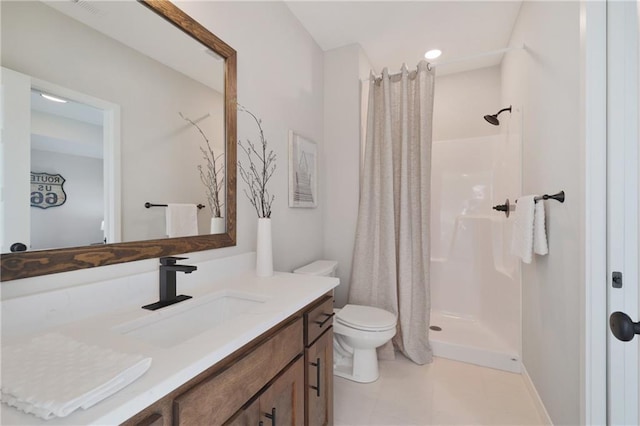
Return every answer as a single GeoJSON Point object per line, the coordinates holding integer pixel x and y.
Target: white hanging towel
{"type": "Point", "coordinates": [182, 220]}
{"type": "Point", "coordinates": [522, 241]}
{"type": "Point", "coordinates": [540, 245]}
{"type": "Point", "coordinates": [53, 375]}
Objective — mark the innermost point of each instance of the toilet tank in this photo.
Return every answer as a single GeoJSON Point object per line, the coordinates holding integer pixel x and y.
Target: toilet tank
{"type": "Point", "coordinates": [322, 268]}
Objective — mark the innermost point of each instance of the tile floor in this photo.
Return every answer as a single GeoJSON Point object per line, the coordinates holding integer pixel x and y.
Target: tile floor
{"type": "Point", "coordinates": [445, 392]}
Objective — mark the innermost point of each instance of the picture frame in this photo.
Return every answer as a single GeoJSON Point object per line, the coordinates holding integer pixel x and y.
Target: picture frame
{"type": "Point", "coordinates": [303, 171]}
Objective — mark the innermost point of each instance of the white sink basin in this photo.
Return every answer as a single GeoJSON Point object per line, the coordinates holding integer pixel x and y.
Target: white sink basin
{"type": "Point", "coordinates": [175, 324]}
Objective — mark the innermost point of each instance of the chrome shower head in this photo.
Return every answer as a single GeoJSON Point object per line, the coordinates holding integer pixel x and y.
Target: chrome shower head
{"type": "Point", "coordinates": [493, 119]}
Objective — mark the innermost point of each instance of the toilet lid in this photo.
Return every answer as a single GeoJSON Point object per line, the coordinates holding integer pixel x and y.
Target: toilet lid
{"type": "Point", "coordinates": [319, 267]}
{"type": "Point", "coordinates": [366, 317]}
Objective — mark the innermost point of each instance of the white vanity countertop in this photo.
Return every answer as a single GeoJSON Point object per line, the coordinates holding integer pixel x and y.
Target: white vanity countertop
{"type": "Point", "coordinates": [282, 295]}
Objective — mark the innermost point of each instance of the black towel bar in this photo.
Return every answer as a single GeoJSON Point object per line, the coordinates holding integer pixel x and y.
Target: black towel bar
{"type": "Point", "coordinates": [507, 207]}
{"type": "Point", "coordinates": [558, 197]}
{"type": "Point", "coordinates": [149, 205]}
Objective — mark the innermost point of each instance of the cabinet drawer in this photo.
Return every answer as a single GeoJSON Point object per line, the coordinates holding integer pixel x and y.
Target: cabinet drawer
{"type": "Point", "coordinates": [318, 320]}
{"type": "Point", "coordinates": [216, 399]}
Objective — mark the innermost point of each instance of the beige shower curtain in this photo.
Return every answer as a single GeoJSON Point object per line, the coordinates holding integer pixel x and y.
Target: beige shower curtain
{"type": "Point", "coordinates": [391, 255]}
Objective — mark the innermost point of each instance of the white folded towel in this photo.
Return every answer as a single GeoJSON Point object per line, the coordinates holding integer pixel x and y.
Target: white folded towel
{"type": "Point", "coordinates": [182, 220]}
{"type": "Point", "coordinates": [539, 232]}
{"type": "Point", "coordinates": [53, 375]}
{"type": "Point", "coordinates": [522, 241]}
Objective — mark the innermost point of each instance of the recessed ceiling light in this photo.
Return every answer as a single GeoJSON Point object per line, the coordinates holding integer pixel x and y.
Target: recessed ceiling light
{"type": "Point", "coordinates": [53, 98]}
{"type": "Point", "coordinates": [433, 53]}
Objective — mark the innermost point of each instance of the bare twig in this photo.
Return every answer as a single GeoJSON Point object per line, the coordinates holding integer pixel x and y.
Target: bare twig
{"type": "Point", "coordinates": [211, 174]}
{"type": "Point", "coordinates": [257, 177]}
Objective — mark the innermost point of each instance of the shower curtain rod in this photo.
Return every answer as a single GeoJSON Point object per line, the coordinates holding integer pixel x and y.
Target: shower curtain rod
{"type": "Point", "coordinates": [467, 58]}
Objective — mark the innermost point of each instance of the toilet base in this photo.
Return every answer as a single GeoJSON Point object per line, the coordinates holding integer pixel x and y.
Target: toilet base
{"type": "Point", "coordinates": [366, 366]}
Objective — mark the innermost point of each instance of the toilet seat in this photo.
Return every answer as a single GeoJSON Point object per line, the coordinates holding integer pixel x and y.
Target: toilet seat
{"type": "Point", "coordinates": [365, 318]}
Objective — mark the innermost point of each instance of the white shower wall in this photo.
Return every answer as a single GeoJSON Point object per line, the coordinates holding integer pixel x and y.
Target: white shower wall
{"type": "Point", "coordinates": [475, 281]}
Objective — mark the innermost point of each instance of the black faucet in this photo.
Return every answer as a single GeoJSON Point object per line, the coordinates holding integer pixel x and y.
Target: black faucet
{"type": "Point", "coordinates": [168, 269]}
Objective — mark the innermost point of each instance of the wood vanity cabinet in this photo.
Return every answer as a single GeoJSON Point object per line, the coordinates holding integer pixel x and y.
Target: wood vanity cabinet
{"type": "Point", "coordinates": [275, 374]}
{"type": "Point", "coordinates": [318, 355]}
{"type": "Point", "coordinates": [281, 403]}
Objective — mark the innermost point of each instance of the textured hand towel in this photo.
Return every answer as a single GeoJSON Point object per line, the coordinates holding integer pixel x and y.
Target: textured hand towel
{"type": "Point", "coordinates": [539, 232]}
{"type": "Point", "coordinates": [53, 375]}
{"type": "Point", "coordinates": [522, 241]}
{"type": "Point", "coordinates": [182, 220]}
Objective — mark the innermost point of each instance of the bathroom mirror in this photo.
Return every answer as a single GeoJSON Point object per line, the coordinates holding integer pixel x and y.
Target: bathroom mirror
{"type": "Point", "coordinates": [136, 170]}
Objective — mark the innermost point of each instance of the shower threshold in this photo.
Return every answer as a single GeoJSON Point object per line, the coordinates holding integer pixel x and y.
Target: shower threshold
{"type": "Point", "coordinates": [471, 341]}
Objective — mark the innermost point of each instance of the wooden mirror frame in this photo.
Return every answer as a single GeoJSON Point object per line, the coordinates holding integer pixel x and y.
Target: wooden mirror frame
{"type": "Point", "coordinates": [43, 262]}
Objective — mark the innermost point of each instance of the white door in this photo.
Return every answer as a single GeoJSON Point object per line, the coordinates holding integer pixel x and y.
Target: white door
{"type": "Point", "coordinates": [622, 212]}
{"type": "Point", "coordinates": [15, 156]}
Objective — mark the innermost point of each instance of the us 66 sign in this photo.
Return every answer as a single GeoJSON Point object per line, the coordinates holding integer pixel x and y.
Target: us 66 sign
{"type": "Point", "coordinates": [47, 190]}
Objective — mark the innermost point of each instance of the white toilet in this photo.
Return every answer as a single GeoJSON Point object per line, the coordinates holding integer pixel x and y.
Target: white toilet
{"type": "Point", "coordinates": [357, 332]}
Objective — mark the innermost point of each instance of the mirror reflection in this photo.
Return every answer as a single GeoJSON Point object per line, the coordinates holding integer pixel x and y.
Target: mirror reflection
{"type": "Point", "coordinates": [66, 155]}
{"type": "Point", "coordinates": [139, 118]}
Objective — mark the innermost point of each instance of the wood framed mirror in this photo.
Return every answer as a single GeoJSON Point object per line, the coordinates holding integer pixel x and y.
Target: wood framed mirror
{"type": "Point", "coordinates": [42, 262]}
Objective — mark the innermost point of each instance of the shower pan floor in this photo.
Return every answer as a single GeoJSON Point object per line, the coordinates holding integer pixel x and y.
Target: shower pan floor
{"type": "Point", "coordinates": [471, 341]}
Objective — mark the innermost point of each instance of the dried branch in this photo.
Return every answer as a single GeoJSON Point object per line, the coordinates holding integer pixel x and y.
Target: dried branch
{"type": "Point", "coordinates": [212, 174]}
{"type": "Point", "coordinates": [257, 176]}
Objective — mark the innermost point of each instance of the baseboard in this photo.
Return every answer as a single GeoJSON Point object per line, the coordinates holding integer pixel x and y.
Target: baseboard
{"type": "Point", "coordinates": [537, 401]}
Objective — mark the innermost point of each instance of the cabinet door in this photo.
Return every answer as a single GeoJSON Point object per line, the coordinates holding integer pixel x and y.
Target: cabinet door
{"type": "Point", "coordinates": [282, 403]}
{"type": "Point", "coordinates": [247, 416]}
{"type": "Point", "coordinates": [319, 381]}
{"type": "Point", "coordinates": [214, 400]}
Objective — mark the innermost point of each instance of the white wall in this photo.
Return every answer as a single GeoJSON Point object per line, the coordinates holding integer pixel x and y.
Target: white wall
{"type": "Point", "coordinates": [77, 221]}
{"type": "Point", "coordinates": [60, 134]}
{"type": "Point", "coordinates": [461, 100]}
{"type": "Point", "coordinates": [280, 79]}
{"type": "Point", "coordinates": [73, 149]}
{"type": "Point", "coordinates": [343, 68]}
{"type": "Point", "coordinates": [545, 82]}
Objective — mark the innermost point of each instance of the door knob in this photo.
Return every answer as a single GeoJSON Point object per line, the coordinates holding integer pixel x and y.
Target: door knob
{"type": "Point", "coordinates": [622, 327]}
{"type": "Point", "coordinates": [17, 247]}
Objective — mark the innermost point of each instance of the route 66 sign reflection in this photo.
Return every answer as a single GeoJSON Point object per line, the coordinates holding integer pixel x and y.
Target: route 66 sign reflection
{"type": "Point", "coordinates": [47, 190]}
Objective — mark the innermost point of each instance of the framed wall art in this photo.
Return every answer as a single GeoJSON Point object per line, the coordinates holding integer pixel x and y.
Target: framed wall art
{"type": "Point", "coordinates": [303, 171]}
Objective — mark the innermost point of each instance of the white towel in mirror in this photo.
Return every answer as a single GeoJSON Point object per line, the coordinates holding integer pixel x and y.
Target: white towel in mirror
{"type": "Point", "coordinates": [182, 220]}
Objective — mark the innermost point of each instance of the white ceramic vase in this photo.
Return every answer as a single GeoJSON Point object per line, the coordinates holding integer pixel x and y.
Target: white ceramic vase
{"type": "Point", "coordinates": [217, 225]}
{"type": "Point", "coordinates": [264, 252]}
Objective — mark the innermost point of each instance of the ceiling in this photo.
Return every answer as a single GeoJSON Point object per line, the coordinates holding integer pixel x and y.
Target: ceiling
{"type": "Point", "coordinates": [396, 32]}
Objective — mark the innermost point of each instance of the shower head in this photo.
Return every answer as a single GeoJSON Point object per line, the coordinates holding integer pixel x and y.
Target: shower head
{"type": "Point", "coordinates": [493, 119]}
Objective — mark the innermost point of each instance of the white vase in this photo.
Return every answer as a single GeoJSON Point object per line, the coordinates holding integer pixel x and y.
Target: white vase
{"type": "Point", "coordinates": [264, 252]}
{"type": "Point", "coordinates": [217, 225]}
